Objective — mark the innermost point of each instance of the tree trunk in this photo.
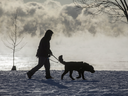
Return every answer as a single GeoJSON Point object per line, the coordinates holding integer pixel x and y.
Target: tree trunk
{"type": "Point", "coordinates": [14, 67]}
{"type": "Point", "coordinates": [14, 46]}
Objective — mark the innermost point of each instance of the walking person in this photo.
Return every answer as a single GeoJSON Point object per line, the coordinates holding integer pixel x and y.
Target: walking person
{"type": "Point", "coordinates": [43, 54]}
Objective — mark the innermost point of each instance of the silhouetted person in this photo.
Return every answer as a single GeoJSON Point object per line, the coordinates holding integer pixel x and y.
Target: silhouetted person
{"type": "Point", "coordinates": [43, 53]}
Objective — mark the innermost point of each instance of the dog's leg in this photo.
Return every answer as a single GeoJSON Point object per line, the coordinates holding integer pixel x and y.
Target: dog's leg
{"type": "Point", "coordinates": [71, 75]}
{"type": "Point", "coordinates": [79, 75]}
{"type": "Point", "coordinates": [82, 73]}
{"type": "Point", "coordinates": [63, 74]}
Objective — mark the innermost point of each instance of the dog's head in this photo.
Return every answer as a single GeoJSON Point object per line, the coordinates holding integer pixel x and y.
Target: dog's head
{"type": "Point", "coordinates": [92, 69]}
{"type": "Point", "coordinates": [89, 68]}
{"type": "Point", "coordinates": [61, 58]}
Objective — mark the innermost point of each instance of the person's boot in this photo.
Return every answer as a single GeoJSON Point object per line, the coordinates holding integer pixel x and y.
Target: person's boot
{"type": "Point", "coordinates": [29, 74]}
{"type": "Point", "coordinates": [49, 77]}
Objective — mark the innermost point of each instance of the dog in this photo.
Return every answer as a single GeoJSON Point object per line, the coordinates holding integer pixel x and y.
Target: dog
{"type": "Point", "coordinates": [77, 66]}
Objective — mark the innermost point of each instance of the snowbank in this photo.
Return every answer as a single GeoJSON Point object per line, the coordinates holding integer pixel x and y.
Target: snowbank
{"type": "Point", "coordinates": [101, 83]}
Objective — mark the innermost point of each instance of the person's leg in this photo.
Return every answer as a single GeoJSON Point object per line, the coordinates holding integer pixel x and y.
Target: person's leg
{"type": "Point", "coordinates": [41, 62]}
{"type": "Point", "coordinates": [47, 69]}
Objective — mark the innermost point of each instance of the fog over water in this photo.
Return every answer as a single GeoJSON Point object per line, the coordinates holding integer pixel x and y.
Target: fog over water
{"type": "Point", "coordinates": [78, 36]}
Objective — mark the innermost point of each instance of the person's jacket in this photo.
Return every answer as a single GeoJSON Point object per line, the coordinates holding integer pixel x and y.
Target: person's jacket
{"type": "Point", "coordinates": [44, 48]}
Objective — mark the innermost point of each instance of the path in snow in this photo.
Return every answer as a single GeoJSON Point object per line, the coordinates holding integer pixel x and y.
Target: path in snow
{"type": "Point", "coordinates": [100, 83]}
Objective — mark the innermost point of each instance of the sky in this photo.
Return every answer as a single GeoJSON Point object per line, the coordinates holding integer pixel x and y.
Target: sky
{"type": "Point", "coordinates": [77, 34]}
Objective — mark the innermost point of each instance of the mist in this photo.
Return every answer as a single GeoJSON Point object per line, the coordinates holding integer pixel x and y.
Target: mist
{"type": "Point", "coordinates": [77, 36]}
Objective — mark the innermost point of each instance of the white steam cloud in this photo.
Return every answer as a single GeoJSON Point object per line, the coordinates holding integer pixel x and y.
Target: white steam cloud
{"type": "Point", "coordinates": [36, 18]}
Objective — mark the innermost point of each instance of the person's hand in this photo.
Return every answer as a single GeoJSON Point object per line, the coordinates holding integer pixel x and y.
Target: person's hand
{"type": "Point", "coordinates": [50, 54]}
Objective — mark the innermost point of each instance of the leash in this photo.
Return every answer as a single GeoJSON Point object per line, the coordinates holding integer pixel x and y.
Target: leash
{"type": "Point", "coordinates": [55, 57]}
{"type": "Point", "coordinates": [53, 61]}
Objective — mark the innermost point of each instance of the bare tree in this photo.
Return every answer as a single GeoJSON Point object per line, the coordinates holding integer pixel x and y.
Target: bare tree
{"type": "Point", "coordinates": [115, 8]}
{"type": "Point", "coordinates": [12, 40]}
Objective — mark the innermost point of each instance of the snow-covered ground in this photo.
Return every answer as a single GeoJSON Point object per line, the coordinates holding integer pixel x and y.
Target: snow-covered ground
{"type": "Point", "coordinates": [100, 83]}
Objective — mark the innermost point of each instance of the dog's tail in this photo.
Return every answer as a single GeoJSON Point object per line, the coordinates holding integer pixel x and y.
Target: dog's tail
{"type": "Point", "coordinates": [61, 59]}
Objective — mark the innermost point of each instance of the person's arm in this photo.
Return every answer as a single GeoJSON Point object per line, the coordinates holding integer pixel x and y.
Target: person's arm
{"type": "Point", "coordinates": [50, 52]}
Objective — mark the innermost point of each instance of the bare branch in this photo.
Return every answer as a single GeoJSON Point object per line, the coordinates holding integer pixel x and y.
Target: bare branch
{"type": "Point", "coordinates": [13, 36]}
{"type": "Point", "coordinates": [113, 8]}
{"type": "Point", "coordinates": [124, 8]}
{"type": "Point", "coordinates": [18, 49]}
{"type": "Point", "coordinates": [20, 41]}
{"type": "Point", "coordinates": [7, 45]}
{"type": "Point", "coordinates": [126, 4]}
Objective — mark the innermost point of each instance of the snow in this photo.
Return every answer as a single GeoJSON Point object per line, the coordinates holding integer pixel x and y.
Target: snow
{"type": "Point", "coordinates": [100, 83]}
